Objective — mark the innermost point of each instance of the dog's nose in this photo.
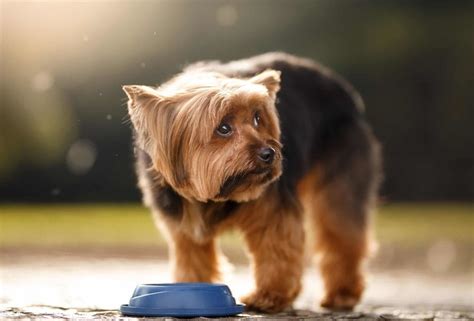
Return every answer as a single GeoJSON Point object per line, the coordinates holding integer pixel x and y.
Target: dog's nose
{"type": "Point", "coordinates": [266, 154]}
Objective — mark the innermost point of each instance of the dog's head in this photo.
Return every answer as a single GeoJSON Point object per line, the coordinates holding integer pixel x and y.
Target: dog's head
{"type": "Point", "coordinates": [211, 137]}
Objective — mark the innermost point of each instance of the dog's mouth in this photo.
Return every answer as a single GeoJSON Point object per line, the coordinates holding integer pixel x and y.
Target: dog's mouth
{"type": "Point", "coordinates": [261, 171]}
{"type": "Point", "coordinates": [256, 176]}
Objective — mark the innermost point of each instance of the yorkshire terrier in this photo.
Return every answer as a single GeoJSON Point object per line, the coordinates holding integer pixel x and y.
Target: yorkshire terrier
{"type": "Point", "coordinates": [259, 145]}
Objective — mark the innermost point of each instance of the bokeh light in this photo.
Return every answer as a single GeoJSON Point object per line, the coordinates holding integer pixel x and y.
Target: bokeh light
{"type": "Point", "coordinates": [81, 156]}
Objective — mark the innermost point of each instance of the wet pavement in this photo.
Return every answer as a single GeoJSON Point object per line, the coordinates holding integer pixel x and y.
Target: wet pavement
{"type": "Point", "coordinates": [84, 288]}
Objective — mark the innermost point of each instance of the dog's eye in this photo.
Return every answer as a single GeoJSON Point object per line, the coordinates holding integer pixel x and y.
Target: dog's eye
{"type": "Point", "coordinates": [224, 130]}
{"type": "Point", "coordinates": [256, 119]}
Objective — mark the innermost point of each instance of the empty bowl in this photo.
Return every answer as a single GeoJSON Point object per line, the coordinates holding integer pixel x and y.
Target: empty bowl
{"type": "Point", "coordinates": [182, 300]}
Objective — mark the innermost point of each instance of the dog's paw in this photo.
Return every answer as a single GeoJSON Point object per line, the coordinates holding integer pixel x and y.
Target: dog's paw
{"type": "Point", "coordinates": [340, 301]}
{"type": "Point", "coordinates": [266, 301]}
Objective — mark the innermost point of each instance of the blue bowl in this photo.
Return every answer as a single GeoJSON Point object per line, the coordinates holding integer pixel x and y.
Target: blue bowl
{"type": "Point", "coordinates": [182, 300]}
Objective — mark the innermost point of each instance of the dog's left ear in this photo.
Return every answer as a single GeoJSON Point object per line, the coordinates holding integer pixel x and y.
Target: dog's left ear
{"type": "Point", "coordinates": [139, 94]}
{"type": "Point", "coordinates": [269, 78]}
{"type": "Point", "coordinates": [152, 116]}
{"type": "Point", "coordinates": [142, 100]}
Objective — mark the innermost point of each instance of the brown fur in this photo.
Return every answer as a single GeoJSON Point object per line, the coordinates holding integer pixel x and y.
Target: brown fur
{"type": "Point", "coordinates": [275, 239]}
{"type": "Point", "coordinates": [199, 183]}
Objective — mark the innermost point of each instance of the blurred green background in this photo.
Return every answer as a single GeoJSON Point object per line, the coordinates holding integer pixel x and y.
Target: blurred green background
{"type": "Point", "coordinates": [435, 238]}
{"type": "Point", "coordinates": [64, 137]}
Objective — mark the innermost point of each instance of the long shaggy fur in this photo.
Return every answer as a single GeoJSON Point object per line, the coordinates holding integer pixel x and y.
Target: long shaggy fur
{"type": "Point", "coordinates": [324, 165]}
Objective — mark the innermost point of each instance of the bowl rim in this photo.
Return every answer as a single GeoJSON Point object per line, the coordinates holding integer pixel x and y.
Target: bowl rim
{"type": "Point", "coordinates": [128, 310]}
{"type": "Point", "coordinates": [183, 284]}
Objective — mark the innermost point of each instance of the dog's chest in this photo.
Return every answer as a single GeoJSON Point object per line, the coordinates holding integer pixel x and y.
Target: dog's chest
{"type": "Point", "coordinates": [200, 220]}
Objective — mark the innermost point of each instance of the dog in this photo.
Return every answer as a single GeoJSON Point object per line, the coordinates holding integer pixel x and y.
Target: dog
{"type": "Point", "coordinates": [261, 145]}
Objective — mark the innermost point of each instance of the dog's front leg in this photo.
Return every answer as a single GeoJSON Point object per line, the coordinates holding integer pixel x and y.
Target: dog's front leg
{"type": "Point", "coordinates": [275, 238]}
{"type": "Point", "coordinates": [194, 261]}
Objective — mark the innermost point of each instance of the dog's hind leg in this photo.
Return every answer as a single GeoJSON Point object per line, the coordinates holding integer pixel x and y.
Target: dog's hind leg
{"type": "Point", "coordinates": [341, 240]}
{"type": "Point", "coordinates": [340, 209]}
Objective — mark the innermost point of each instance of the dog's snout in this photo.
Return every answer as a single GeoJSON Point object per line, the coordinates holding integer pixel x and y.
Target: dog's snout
{"type": "Point", "coordinates": [266, 154]}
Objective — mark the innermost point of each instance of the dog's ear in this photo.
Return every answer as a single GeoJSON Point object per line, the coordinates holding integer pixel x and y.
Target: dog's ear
{"type": "Point", "coordinates": [145, 108]}
{"type": "Point", "coordinates": [141, 101]}
{"type": "Point", "coordinates": [269, 78]}
{"type": "Point", "coordinates": [139, 94]}
{"type": "Point", "coordinates": [153, 117]}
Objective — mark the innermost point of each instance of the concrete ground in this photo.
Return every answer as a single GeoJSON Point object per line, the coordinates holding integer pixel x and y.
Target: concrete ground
{"type": "Point", "coordinates": [61, 287]}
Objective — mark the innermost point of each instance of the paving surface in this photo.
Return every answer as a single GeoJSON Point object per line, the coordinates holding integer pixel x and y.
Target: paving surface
{"type": "Point", "coordinates": [79, 288]}
{"type": "Point", "coordinates": [364, 314]}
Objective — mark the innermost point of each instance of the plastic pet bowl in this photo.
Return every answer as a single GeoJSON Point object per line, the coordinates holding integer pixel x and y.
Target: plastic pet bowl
{"type": "Point", "coordinates": [182, 300]}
